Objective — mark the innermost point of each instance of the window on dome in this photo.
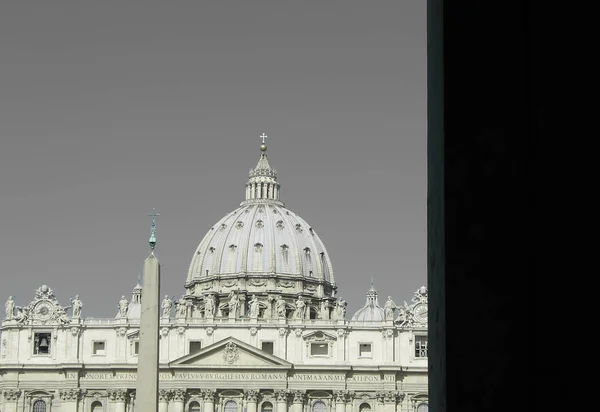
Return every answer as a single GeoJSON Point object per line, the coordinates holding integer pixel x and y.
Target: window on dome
{"type": "Point", "coordinates": [421, 346]}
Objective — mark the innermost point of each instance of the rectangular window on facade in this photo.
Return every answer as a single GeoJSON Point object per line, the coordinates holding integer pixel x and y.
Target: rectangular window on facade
{"type": "Point", "coordinates": [99, 348]}
{"type": "Point", "coordinates": [421, 346]}
{"type": "Point", "coordinates": [319, 349]}
{"type": "Point", "coordinates": [136, 347]}
{"type": "Point", "coordinates": [195, 346]}
{"type": "Point", "coordinates": [364, 350]}
{"type": "Point", "coordinates": [41, 343]}
{"type": "Point", "coordinates": [267, 347]}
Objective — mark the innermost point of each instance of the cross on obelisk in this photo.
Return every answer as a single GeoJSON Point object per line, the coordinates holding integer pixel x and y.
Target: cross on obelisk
{"type": "Point", "coordinates": [263, 137]}
{"type": "Point", "coordinates": [153, 228]}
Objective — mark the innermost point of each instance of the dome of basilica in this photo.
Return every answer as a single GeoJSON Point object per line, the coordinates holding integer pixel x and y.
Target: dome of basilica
{"type": "Point", "coordinates": [262, 243]}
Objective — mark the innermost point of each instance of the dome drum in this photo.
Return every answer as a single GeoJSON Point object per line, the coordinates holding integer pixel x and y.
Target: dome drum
{"type": "Point", "coordinates": [272, 305]}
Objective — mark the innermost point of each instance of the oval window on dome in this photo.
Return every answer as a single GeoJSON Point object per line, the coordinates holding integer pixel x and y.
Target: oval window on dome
{"type": "Point", "coordinates": [259, 224]}
{"type": "Point", "coordinates": [280, 224]}
{"type": "Point", "coordinates": [239, 224]}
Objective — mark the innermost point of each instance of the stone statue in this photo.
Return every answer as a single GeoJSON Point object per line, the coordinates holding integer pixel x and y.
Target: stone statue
{"type": "Point", "coordinates": [76, 305]}
{"type": "Point", "coordinates": [280, 307]}
{"type": "Point", "coordinates": [340, 308]}
{"type": "Point", "coordinates": [123, 306]}
{"type": "Point", "coordinates": [209, 306]}
{"type": "Point", "coordinates": [300, 308]}
{"type": "Point", "coordinates": [388, 309]}
{"type": "Point", "coordinates": [10, 308]}
{"type": "Point", "coordinates": [167, 305]}
{"type": "Point", "coordinates": [254, 307]}
{"type": "Point", "coordinates": [22, 314]}
{"type": "Point", "coordinates": [181, 308]}
{"type": "Point", "coordinates": [234, 302]}
{"type": "Point", "coordinates": [61, 315]}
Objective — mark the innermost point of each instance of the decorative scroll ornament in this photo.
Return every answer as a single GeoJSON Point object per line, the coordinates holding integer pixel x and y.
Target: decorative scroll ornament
{"type": "Point", "coordinates": [178, 395]}
{"type": "Point", "coordinates": [282, 395]}
{"type": "Point", "coordinates": [71, 394]}
{"type": "Point", "coordinates": [117, 395]}
{"type": "Point", "coordinates": [251, 395]}
{"type": "Point", "coordinates": [298, 396]}
{"type": "Point", "coordinates": [229, 283]}
{"type": "Point", "coordinates": [43, 309]}
{"type": "Point", "coordinates": [285, 283]}
{"type": "Point", "coordinates": [257, 282]}
{"type": "Point", "coordinates": [231, 353]}
{"type": "Point", "coordinates": [12, 395]}
{"type": "Point", "coordinates": [310, 287]}
{"type": "Point", "coordinates": [164, 395]}
{"type": "Point", "coordinates": [389, 396]}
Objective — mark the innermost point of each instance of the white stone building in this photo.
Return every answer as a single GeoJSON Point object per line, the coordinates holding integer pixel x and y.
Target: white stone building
{"type": "Point", "coordinates": [258, 329]}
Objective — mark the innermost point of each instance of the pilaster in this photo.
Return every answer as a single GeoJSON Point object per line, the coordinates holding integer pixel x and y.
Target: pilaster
{"type": "Point", "coordinates": [69, 399]}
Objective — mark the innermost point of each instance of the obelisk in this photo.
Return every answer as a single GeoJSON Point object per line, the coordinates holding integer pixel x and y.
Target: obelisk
{"type": "Point", "coordinates": [146, 398]}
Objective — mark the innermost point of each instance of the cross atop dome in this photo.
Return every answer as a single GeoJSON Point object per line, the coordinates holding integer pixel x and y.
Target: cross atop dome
{"type": "Point", "coordinates": [263, 146]}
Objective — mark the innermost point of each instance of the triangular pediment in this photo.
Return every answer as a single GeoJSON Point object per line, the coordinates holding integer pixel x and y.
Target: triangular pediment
{"type": "Point", "coordinates": [231, 353]}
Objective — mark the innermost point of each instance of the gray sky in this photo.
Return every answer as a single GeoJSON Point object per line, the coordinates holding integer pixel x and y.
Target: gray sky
{"type": "Point", "coordinates": [111, 108]}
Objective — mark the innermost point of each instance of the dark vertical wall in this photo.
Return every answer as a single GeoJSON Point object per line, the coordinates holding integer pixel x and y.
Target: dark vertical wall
{"type": "Point", "coordinates": [478, 197]}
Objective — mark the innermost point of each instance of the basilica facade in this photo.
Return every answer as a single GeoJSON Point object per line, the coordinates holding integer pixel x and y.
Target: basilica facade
{"type": "Point", "coordinates": [259, 328]}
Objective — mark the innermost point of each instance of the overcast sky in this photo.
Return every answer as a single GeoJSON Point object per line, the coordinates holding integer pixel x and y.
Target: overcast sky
{"type": "Point", "coordinates": [111, 108]}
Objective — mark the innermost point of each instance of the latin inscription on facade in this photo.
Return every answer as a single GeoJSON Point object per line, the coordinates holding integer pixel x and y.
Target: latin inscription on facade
{"type": "Point", "coordinates": [200, 376]}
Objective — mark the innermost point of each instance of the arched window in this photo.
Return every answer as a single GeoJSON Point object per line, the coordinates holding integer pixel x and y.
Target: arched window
{"type": "Point", "coordinates": [230, 406]}
{"type": "Point", "coordinates": [194, 407]}
{"type": "Point", "coordinates": [266, 407]}
{"type": "Point", "coordinates": [96, 406]}
{"type": "Point", "coordinates": [364, 407]}
{"type": "Point", "coordinates": [39, 406]}
{"type": "Point", "coordinates": [319, 406]}
{"type": "Point", "coordinates": [423, 408]}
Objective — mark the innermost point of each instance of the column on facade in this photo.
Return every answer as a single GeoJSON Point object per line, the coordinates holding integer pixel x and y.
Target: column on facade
{"type": "Point", "coordinates": [389, 400]}
{"type": "Point", "coordinates": [251, 396]}
{"type": "Point", "coordinates": [298, 401]}
{"type": "Point", "coordinates": [11, 397]}
{"type": "Point", "coordinates": [209, 400]}
{"type": "Point", "coordinates": [118, 396]}
{"type": "Point", "coordinates": [178, 397]}
{"type": "Point", "coordinates": [282, 399]}
{"type": "Point", "coordinates": [339, 398]}
{"type": "Point", "coordinates": [349, 401]}
{"type": "Point", "coordinates": [131, 403]}
{"type": "Point", "coordinates": [164, 395]}
{"type": "Point", "coordinates": [69, 399]}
